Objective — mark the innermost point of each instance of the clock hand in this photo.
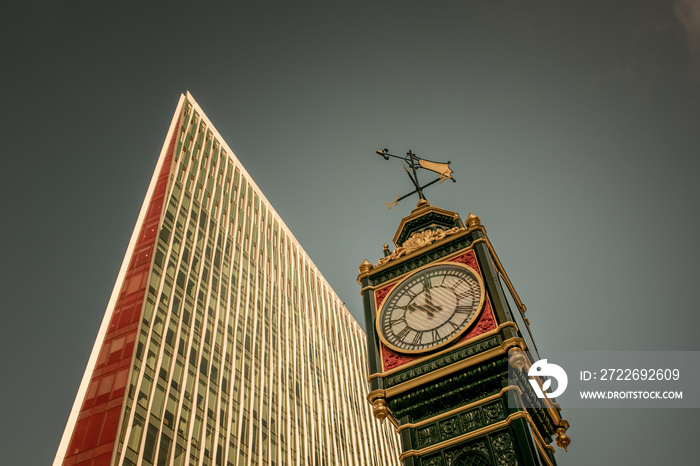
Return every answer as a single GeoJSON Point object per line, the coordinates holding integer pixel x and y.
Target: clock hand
{"type": "Point", "coordinates": [427, 308]}
{"type": "Point", "coordinates": [429, 296]}
{"type": "Point", "coordinates": [426, 290]}
{"type": "Point", "coordinates": [429, 302]}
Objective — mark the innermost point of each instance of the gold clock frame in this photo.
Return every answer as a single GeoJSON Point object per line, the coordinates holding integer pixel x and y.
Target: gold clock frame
{"type": "Point", "coordinates": [456, 336]}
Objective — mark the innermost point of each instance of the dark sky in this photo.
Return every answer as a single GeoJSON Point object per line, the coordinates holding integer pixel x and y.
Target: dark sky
{"type": "Point", "coordinates": [572, 127]}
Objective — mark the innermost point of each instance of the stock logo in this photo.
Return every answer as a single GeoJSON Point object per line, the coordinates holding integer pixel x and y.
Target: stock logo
{"type": "Point", "coordinates": [543, 369]}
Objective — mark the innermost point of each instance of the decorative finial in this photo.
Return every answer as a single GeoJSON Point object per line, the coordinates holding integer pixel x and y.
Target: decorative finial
{"type": "Point", "coordinates": [385, 250]}
{"type": "Point", "coordinates": [562, 440]}
{"type": "Point", "coordinates": [473, 220]}
{"type": "Point", "coordinates": [421, 205]}
{"type": "Point", "coordinates": [366, 266]}
{"type": "Point", "coordinates": [517, 359]}
{"type": "Point", "coordinates": [380, 410]}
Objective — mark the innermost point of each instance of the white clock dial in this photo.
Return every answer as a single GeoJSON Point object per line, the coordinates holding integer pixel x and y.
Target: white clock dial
{"type": "Point", "coordinates": [431, 307]}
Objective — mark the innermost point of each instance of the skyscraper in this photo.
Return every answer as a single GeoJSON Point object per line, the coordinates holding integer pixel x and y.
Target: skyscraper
{"type": "Point", "coordinates": [222, 344]}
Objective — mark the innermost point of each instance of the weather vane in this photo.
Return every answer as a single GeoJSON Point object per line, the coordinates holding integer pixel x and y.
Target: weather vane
{"type": "Point", "coordinates": [415, 163]}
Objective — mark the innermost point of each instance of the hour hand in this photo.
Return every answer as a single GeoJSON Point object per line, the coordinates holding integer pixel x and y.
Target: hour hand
{"type": "Point", "coordinates": [421, 307]}
{"type": "Point", "coordinates": [428, 308]}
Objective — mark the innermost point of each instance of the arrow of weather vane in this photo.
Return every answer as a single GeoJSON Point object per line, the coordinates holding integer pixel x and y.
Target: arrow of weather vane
{"type": "Point", "coordinates": [416, 163]}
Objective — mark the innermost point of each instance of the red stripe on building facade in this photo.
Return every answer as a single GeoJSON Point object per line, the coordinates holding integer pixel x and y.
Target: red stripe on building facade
{"type": "Point", "coordinates": [95, 431]}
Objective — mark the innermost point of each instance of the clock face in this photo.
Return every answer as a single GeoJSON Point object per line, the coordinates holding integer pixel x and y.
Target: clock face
{"type": "Point", "coordinates": [430, 308]}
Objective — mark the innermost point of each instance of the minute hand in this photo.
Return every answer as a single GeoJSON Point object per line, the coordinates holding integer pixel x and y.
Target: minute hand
{"type": "Point", "coordinates": [429, 300]}
{"type": "Point", "coordinates": [428, 296]}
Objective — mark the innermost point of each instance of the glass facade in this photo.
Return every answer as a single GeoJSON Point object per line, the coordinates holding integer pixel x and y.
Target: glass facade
{"type": "Point", "coordinates": [222, 343]}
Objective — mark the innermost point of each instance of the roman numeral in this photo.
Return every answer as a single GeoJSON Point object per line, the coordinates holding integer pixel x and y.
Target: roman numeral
{"type": "Point", "coordinates": [401, 319]}
{"type": "Point", "coordinates": [402, 334]}
{"type": "Point", "coordinates": [417, 339]}
{"type": "Point", "coordinates": [455, 284]}
{"type": "Point", "coordinates": [464, 309]}
{"type": "Point", "coordinates": [471, 292]}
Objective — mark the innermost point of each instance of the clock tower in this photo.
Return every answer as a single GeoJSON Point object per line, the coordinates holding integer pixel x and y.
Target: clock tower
{"type": "Point", "coordinates": [444, 326]}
